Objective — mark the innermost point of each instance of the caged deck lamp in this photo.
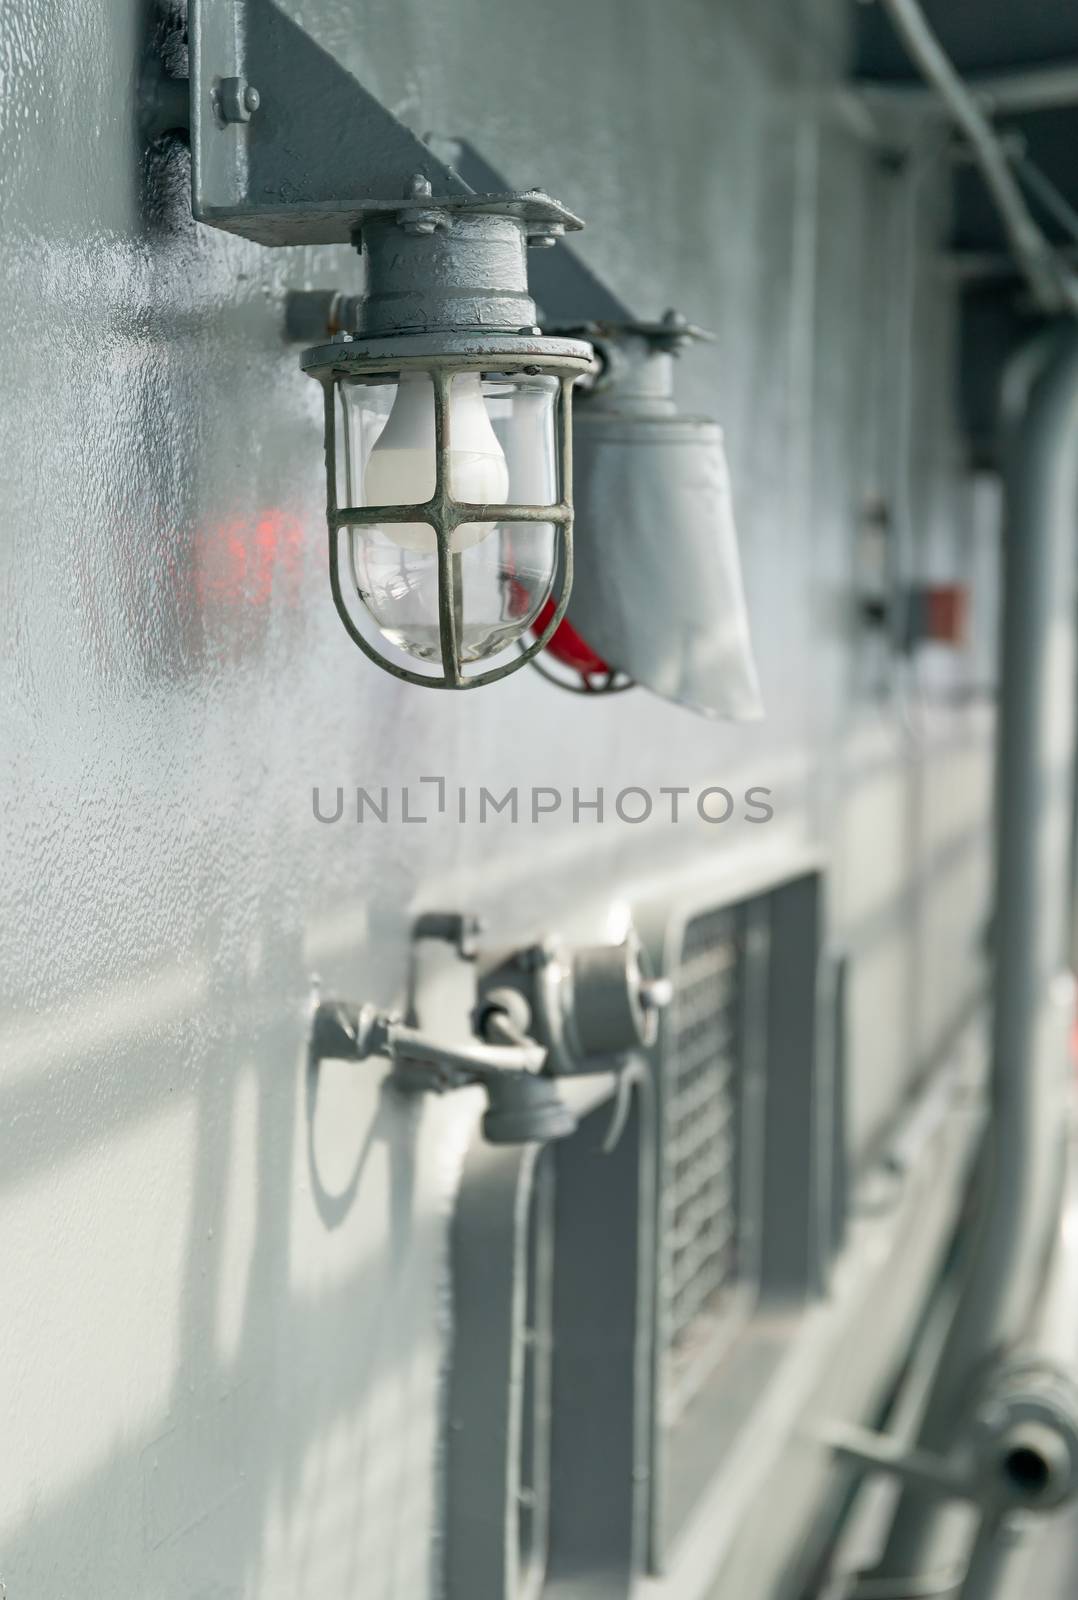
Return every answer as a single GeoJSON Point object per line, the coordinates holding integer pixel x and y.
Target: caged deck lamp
{"type": "Point", "coordinates": [448, 441]}
{"type": "Point", "coordinates": [447, 411]}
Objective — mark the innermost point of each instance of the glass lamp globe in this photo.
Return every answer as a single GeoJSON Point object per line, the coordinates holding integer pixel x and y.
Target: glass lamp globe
{"type": "Point", "coordinates": [501, 450]}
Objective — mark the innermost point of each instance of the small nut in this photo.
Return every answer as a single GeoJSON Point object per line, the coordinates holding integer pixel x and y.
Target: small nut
{"type": "Point", "coordinates": [546, 235]}
{"type": "Point", "coordinates": [234, 100]}
{"type": "Point", "coordinates": [421, 219]}
{"type": "Point", "coordinates": [420, 222]}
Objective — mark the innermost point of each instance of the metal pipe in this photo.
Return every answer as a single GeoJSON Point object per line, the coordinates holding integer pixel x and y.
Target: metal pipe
{"type": "Point", "coordinates": [1028, 89]}
{"type": "Point", "coordinates": [1053, 284]}
{"type": "Point", "coordinates": [1050, 196]}
{"type": "Point", "coordinates": [1020, 1177]}
{"type": "Point", "coordinates": [1001, 1551]}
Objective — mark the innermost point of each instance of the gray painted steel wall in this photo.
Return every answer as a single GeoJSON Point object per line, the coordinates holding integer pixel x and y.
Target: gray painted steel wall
{"type": "Point", "coordinates": [225, 1311]}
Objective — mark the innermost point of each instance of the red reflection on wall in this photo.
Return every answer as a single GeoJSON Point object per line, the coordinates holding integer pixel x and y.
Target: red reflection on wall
{"type": "Point", "coordinates": [250, 561]}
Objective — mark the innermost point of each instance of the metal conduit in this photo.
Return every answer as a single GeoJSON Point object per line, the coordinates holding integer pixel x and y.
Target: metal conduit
{"type": "Point", "coordinates": [1022, 1171]}
{"type": "Point", "coordinates": [1052, 282]}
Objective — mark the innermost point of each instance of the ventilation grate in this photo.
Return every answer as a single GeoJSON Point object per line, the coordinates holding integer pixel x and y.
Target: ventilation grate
{"type": "Point", "coordinates": [700, 1182]}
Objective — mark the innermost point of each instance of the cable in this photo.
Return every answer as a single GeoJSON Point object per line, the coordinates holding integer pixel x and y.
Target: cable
{"type": "Point", "coordinates": [1051, 198]}
{"type": "Point", "coordinates": [1053, 284]}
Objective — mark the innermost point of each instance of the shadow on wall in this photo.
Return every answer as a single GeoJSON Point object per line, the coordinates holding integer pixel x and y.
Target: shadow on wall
{"type": "Point", "coordinates": [289, 1466]}
{"type": "Point", "coordinates": [162, 172]}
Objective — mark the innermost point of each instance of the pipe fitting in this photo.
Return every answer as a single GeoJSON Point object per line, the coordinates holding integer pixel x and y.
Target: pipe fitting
{"type": "Point", "coordinates": [1024, 1437]}
{"type": "Point", "coordinates": [615, 1001]}
{"type": "Point", "coordinates": [591, 1006]}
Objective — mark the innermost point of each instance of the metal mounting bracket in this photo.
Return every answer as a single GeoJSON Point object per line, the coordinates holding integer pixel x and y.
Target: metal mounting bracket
{"type": "Point", "coordinates": [569, 294]}
{"type": "Point", "coordinates": [288, 147]}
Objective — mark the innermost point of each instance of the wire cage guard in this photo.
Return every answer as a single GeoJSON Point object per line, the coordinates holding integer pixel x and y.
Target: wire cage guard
{"type": "Point", "coordinates": [443, 512]}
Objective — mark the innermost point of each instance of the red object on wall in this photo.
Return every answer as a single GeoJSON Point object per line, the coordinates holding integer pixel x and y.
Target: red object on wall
{"type": "Point", "coordinates": [569, 647]}
{"type": "Point", "coordinates": [943, 609]}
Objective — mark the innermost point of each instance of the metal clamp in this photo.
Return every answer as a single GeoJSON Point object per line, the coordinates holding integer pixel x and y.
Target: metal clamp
{"type": "Point", "coordinates": [539, 1014]}
{"type": "Point", "coordinates": [1017, 1452]}
{"type": "Point", "coordinates": [522, 1104]}
{"type": "Point", "coordinates": [593, 1007]}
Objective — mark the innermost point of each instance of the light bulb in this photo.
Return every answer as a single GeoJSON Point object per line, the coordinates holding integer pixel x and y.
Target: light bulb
{"type": "Point", "coordinates": [503, 570]}
{"type": "Point", "coordinates": [401, 466]}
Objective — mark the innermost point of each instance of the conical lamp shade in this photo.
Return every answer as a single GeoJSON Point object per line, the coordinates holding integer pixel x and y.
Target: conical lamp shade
{"type": "Point", "coordinates": [657, 589]}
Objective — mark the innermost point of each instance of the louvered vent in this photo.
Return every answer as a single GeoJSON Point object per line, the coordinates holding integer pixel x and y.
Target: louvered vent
{"type": "Point", "coordinates": [700, 1167]}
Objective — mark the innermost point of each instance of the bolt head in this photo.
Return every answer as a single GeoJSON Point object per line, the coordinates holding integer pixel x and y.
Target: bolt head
{"type": "Point", "coordinates": [251, 98]}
